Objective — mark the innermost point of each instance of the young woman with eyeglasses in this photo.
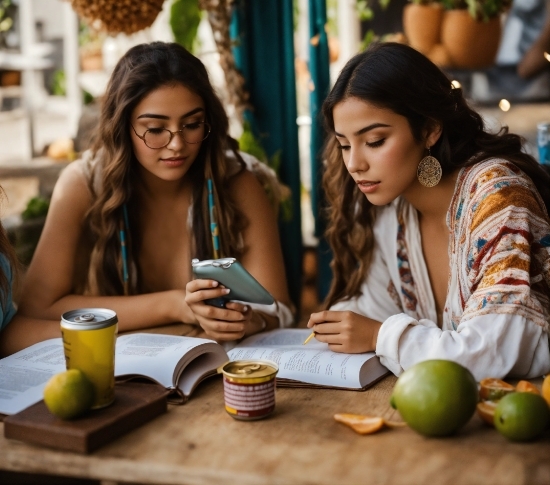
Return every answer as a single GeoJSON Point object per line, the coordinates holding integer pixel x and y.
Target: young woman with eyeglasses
{"type": "Point", "coordinates": [126, 220]}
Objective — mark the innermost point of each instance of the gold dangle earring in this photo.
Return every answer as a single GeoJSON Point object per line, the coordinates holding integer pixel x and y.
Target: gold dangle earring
{"type": "Point", "coordinates": [429, 171]}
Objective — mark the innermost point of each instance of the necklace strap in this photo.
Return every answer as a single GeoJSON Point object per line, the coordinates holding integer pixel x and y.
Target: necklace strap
{"type": "Point", "coordinates": [124, 227]}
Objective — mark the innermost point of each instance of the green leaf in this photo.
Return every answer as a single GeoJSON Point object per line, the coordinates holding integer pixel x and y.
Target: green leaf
{"type": "Point", "coordinates": [37, 207]}
{"type": "Point", "coordinates": [58, 83]}
{"type": "Point", "coordinates": [286, 213]}
{"type": "Point", "coordinates": [249, 144]}
{"type": "Point", "coordinates": [364, 12]}
{"type": "Point", "coordinates": [275, 161]}
{"type": "Point", "coordinates": [367, 40]}
{"type": "Point", "coordinates": [6, 24]}
{"type": "Point", "coordinates": [185, 16]}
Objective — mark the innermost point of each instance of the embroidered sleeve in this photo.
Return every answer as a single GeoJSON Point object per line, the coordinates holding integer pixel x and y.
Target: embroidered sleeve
{"type": "Point", "coordinates": [507, 251]}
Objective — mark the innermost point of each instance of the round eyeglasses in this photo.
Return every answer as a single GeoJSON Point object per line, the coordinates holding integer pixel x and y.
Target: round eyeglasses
{"type": "Point", "coordinates": [160, 137]}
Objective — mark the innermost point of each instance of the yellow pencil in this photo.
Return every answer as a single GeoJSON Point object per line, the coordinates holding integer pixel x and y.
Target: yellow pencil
{"type": "Point", "coordinates": [309, 338]}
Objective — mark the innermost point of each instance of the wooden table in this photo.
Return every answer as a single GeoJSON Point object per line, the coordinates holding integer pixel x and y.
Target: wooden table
{"type": "Point", "coordinates": [198, 443]}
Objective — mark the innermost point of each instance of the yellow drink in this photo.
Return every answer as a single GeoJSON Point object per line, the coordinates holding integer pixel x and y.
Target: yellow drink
{"type": "Point", "coordinates": [89, 338]}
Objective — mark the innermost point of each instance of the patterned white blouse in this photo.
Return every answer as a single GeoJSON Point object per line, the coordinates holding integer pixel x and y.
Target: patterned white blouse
{"type": "Point", "coordinates": [497, 312]}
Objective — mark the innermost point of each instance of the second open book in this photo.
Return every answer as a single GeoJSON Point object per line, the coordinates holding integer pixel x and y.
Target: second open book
{"type": "Point", "coordinates": [180, 363]}
{"type": "Point", "coordinates": [311, 365]}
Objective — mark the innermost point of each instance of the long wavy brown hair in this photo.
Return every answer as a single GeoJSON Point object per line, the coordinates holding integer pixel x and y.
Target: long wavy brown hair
{"type": "Point", "coordinates": [142, 69]}
{"type": "Point", "coordinates": [399, 78]}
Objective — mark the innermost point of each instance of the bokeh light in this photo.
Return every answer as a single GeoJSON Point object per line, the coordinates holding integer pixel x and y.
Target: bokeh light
{"type": "Point", "coordinates": [504, 105]}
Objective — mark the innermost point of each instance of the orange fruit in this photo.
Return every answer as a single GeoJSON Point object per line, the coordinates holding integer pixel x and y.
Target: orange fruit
{"type": "Point", "coordinates": [69, 394]}
{"type": "Point", "coordinates": [546, 389]}
{"type": "Point", "coordinates": [526, 386]}
{"type": "Point", "coordinates": [361, 424]}
{"type": "Point", "coordinates": [486, 411]}
{"type": "Point", "coordinates": [492, 389]}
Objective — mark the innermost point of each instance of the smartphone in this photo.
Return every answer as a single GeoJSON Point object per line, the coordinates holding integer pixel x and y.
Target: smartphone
{"type": "Point", "coordinates": [231, 274]}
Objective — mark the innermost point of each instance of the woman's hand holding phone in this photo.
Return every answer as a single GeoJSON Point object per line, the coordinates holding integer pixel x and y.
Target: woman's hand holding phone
{"type": "Point", "coordinates": [224, 324]}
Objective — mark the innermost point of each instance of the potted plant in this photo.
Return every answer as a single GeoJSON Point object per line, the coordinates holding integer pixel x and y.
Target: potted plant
{"type": "Point", "coordinates": [471, 31]}
{"type": "Point", "coordinates": [480, 10]}
{"type": "Point", "coordinates": [90, 43]}
{"type": "Point", "coordinates": [422, 24]}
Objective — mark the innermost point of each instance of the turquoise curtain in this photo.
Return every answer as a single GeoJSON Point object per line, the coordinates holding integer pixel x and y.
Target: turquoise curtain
{"type": "Point", "coordinates": [262, 31]}
{"type": "Point", "coordinates": [320, 77]}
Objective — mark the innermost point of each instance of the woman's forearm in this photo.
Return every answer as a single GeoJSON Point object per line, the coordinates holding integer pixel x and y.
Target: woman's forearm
{"type": "Point", "coordinates": [23, 331]}
{"type": "Point", "coordinates": [134, 312]}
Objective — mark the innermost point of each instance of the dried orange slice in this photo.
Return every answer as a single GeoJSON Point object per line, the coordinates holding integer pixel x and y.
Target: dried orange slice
{"type": "Point", "coordinates": [360, 423]}
{"type": "Point", "coordinates": [526, 386]}
{"type": "Point", "coordinates": [486, 411]}
{"type": "Point", "coordinates": [546, 389]}
{"type": "Point", "coordinates": [492, 389]}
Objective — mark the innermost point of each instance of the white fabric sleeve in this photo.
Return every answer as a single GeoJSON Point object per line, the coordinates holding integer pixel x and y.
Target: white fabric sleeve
{"type": "Point", "coordinates": [495, 345]}
{"type": "Point", "coordinates": [375, 300]}
{"type": "Point", "coordinates": [277, 309]}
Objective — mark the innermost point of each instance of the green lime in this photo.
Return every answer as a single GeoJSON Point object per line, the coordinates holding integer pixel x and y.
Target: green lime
{"type": "Point", "coordinates": [69, 394]}
{"type": "Point", "coordinates": [436, 397]}
{"type": "Point", "coordinates": [522, 416]}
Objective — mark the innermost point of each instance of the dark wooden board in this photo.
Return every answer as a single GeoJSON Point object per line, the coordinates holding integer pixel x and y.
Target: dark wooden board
{"type": "Point", "coordinates": [135, 404]}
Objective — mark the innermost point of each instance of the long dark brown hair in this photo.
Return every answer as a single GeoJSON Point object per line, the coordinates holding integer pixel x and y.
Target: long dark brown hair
{"type": "Point", "coordinates": [142, 69]}
{"type": "Point", "coordinates": [399, 78]}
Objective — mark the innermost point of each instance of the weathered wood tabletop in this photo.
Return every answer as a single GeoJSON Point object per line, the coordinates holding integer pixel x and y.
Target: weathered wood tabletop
{"type": "Point", "coordinates": [198, 443]}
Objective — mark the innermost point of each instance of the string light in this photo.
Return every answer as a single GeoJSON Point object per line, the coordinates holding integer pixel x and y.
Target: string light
{"type": "Point", "coordinates": [456, 84]}
{"type": "Point", "coordinates": [504, 105]}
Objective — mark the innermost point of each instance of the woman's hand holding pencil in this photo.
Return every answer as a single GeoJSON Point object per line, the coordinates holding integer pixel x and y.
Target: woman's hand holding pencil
{"type": "Point", "coordinates": [344, 331]}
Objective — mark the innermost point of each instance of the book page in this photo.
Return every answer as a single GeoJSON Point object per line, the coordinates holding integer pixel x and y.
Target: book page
{"type": "Point", "coordinates": [159, 357]}
{"type": "Point", "coordinates": [24, 374]}
{"type": "Point", "coordinates": [199, 368]}
{"type": "Point", "coordinates": [313, 363]}
{"type": "Point", "coordinates": [294, 337]}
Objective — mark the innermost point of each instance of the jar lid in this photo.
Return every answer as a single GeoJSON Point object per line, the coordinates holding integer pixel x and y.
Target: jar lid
{"type": "Point", "coordinates": [244, 369]}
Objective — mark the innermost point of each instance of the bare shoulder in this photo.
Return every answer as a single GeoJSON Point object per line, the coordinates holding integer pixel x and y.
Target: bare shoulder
{"type": "Point", "coordinates": [74, 172]}
{"type": "Point", "coordinates": [245, 181]}
{"type": "Point", "coordinates": [246, 190]}
{"type": "Point", "coordinates": [72, 186]}
{"type": "Point", "coordinates": [71, 200]}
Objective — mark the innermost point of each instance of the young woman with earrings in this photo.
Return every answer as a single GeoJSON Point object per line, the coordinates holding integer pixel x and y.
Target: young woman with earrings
{"type": "Point", "coordinates": [126, 220]}
{"type": "Point", "coordinates": [439, 228]}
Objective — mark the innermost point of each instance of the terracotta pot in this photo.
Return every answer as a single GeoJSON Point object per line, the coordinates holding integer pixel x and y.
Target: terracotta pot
{"type": "Point", "coordinates": [470, 44]}
{"type": "Point", "coordinates": [92, 62]}
{"type": "Point", "coordinates": [10, 78]}
{"type": "Point", "coordinates": [439, 56]}
{"type": "Point", "coordinates": [422, 25]}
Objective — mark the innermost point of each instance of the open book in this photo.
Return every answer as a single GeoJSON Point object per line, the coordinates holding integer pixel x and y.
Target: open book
{"type": "Point", "coordinates": [178, 363]}
{"type": "Point", "coordinates": [311, 365]}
